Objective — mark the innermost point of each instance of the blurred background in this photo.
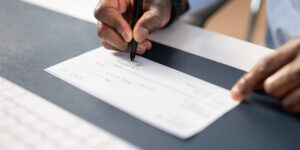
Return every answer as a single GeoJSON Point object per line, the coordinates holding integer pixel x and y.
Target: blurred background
{"type": "Point", "coordinates": [242, 19]}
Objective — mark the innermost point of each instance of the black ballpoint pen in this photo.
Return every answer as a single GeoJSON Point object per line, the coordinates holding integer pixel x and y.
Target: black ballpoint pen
{"type": "Point", "coordinates": [137, 13]}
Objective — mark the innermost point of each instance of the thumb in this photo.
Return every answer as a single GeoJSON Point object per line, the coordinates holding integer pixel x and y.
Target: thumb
{"type": "Point", "coordinates": [147, 24]}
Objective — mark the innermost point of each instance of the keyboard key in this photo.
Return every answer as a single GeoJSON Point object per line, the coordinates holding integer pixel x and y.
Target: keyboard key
{"type": "Point", "coordinates": [83, 130]}
{"type": "Point", "coordinates": [17, 91]}
{"type": "Point", "coordinates": [20, 130]}
{"type": "Point", "coordinates": [8, 94]}
{"type": "Point", "coordinates": [41, 127]}
{"type": "Point", "coordinates": [57, 135]}
{"type": "Point", "coordinates": [29, 122]}
{"type": "Point", "coordinates": [34, 138]}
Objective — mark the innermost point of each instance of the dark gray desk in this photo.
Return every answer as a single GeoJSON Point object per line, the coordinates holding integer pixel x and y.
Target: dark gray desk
{"type": "Point", "coordinates": [33, 38]}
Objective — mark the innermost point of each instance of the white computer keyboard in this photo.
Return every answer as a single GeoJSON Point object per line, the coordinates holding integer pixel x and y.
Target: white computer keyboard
{"type": "Point", "coordinates": [28, 121]}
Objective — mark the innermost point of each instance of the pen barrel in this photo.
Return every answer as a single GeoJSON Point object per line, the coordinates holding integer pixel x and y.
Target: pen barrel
{"type": "Point", "coordinates": [137, 13]}
{"type": "Point", "coordinates": [133, 46]}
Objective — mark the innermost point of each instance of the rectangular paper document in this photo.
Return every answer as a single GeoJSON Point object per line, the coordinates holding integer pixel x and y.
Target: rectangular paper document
{"type": "Point", "coordinates": [170, 100]}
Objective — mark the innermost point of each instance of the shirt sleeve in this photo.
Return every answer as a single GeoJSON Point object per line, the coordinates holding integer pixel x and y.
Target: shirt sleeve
{"type": "Point", "coordinates": [283, 21]}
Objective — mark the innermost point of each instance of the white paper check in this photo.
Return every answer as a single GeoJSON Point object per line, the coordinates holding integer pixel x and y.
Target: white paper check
{"type": "Point", "coordinates": [168, 99]}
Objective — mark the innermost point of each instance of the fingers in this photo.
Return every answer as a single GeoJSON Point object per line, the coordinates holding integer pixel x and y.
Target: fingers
{"type": "Point", "coordinates": [109, 35]}
{"type": "Point", "coordinates": [113, 29]}
{"type": "Point", "coordinates": [284, 80]}
{"type": "Point", "coordinates": [109, 14]}
{"type": "Point", "coordinates": [115, 32]}
{"type": "Point", "coordinates": [156, 17]}
{"type": "Point", "coordinates": [292, 101]}
{"type": "Point", "coordinates": [251, 80]}
{"type": "Point", "coordinates": [263, 69]}
{"type": "Point", "coordinates": [149, 23]}
{"type": "Point", "coordinates": [108, 46]}
{"type": "Point", "coordinates": [142, 47]}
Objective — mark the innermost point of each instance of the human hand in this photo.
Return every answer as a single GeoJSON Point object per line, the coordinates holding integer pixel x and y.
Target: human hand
{"type": "Point", "coordinates": [114, 19]}
{"type": "Point", "coordinates": [278, 74]}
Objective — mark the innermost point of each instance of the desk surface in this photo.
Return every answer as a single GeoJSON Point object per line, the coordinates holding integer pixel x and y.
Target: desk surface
{"type": "Point", "coordinates": [34, 38]}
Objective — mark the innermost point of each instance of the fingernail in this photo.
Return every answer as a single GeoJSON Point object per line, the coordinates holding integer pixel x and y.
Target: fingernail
{"type": "Point", "coordinates": [126, 37]}
{"type": "Point", "coordinates": [142, 34]}
{"type": "Point", "coordinates": [236, 93]}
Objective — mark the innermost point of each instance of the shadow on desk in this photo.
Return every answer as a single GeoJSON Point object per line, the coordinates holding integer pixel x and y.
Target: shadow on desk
{"type": "Point", "coordinates": [260, 98]}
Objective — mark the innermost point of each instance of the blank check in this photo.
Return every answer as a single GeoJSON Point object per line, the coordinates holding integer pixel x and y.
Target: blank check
{"type": "Point", "coordinates": [168, 99]}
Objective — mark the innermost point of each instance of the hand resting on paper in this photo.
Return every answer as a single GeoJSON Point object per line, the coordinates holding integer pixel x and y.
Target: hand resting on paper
{"type": "Point", "coordinates": [278, 74]}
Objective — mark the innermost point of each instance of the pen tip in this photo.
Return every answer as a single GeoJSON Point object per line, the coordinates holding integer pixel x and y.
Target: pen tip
{"type": "Point", "coordinates": [132, 56]}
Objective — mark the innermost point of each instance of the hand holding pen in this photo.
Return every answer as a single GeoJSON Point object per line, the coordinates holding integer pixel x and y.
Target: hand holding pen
{"type": "Point", "coordinates": [115, 18]}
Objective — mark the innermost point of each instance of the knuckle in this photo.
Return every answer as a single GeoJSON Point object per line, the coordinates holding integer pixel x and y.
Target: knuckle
{"type": "Point", "coordinates": [97, 10]}
{"type": "Point", "coordinates": [102, 34]}
{"type": "Point", "coordinates": [96, 13]}
{"type": "Point", "coordinates": [270, 89]}
{"type": "Point", "coordinates": [153, 22]}
{"type": "Point", "coordinates": [156, 19]}
{"type": "Point", "coordinates": [110, 17]}
{"type": "Point", "coordinates": [100, 13]}
{"type": "Point", "coordinates": [262, 66]}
